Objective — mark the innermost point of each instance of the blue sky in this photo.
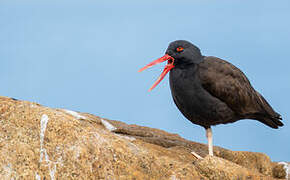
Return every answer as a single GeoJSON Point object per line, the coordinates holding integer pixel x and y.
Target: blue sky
{"type": "Point", "coordinates": [84, 56]}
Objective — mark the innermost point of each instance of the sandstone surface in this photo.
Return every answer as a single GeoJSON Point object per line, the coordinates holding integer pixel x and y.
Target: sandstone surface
{"type": "Point", "coordinates": [38, 142]}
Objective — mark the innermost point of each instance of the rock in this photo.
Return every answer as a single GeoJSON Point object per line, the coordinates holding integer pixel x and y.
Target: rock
{"type": "Point", "coordinates": [279, 171]}
{"type": "Point", "coordinates": [218, 168]}
{"type": "Point", "coordinates": [38, 142]}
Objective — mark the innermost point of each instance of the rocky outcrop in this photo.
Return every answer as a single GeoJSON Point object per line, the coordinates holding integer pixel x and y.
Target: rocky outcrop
{"type": "Point", "coordinates": [38, 142]}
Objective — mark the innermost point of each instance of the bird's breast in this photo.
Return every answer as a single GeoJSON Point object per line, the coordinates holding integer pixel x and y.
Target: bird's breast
{"type": "Point", "coordinates": [194, 102]}
{"type": "Point", "coordinates": [187, 92]}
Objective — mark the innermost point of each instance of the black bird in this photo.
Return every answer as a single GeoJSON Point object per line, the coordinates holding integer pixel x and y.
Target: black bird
{"type": "Point", "coordinates": [210, 91]}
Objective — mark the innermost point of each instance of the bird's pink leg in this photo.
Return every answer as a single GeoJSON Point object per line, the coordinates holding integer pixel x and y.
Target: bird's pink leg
{"type": "Point", "coordinates": [210, 145]}
{"type": "Point", "coordinates": [209, 139]}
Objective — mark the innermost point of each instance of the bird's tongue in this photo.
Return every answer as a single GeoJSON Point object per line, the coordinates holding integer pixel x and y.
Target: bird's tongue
{"type": "Point", "coordinates": [166, 69]}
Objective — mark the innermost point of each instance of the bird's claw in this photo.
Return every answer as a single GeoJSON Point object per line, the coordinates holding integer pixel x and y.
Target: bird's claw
{"type": "Point", "coordinates": [196, 155]}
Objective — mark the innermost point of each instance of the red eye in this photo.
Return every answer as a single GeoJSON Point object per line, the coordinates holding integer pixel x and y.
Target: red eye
{"type": "Point", "coordinates": [179, 49]}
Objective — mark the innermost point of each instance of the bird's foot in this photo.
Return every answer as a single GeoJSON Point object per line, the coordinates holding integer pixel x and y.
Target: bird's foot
{"type": "Point", "coordinates": [196, 155]}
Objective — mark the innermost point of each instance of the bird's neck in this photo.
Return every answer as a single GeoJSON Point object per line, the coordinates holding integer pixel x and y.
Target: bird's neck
{"type": "Point", "coordinates": [185, 64]}
{"type": "Point", "coordinates": [183, 71]}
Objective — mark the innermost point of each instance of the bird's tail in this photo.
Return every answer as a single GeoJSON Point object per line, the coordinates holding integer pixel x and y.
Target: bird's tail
{"type": "Point", "coordinates": [269, 117]}
{"type": "Point", "coordinates": [273, 122]}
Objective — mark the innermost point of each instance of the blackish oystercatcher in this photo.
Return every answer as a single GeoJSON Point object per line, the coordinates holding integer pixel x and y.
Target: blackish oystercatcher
{"type": "Point", "coordinates": [210, 91]}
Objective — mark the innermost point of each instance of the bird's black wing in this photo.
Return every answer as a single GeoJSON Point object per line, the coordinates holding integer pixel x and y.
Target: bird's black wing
{"type": "Point", "coordinates": [229, 84]}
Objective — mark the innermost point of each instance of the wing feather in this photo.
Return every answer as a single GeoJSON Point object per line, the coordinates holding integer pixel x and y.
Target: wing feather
{"type": "Point", "coordinates": [229, 84]}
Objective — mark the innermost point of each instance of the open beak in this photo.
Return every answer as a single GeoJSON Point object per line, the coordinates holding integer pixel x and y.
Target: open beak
{"type": "Point", "coordinates": [167, 68]}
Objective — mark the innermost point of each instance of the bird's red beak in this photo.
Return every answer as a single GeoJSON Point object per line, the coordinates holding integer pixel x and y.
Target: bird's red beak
{"type": "Point", "coordinates": [166, 69]}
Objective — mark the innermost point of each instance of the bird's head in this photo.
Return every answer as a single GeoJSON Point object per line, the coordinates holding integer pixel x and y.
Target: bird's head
{"type": "Point", "coordinates": [178, 53]}
{"type": "Point", "coordinates": [183, 52]}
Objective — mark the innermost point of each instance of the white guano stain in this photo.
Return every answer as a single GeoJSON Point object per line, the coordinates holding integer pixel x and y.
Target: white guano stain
{"type": "Point", "coordinates": [286, 168]}
{"type": "Point", "coordinates": [37, 176]}
{"type": "Point", "coordinates": [76, 151]}
{"type": "Point", "coordinates": [100, 139]}
{"type": "Point", "coordinates": [126, 137]}
{"type": "Point", "coordinates": [51, 165]}
{"type": "Point", "coordinates": [43, 123]}
{"type": "Point", "coordinates": [108, 125]}
{"type": "Point", "coordinates": [173, 177]}
{"type": "Point", "coordinates": [52, 171]}
{"type": "Point", "coordinates": [74, 114]}
{"type": "Point", "coordinates": [7, 171]}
